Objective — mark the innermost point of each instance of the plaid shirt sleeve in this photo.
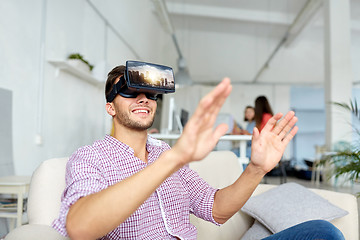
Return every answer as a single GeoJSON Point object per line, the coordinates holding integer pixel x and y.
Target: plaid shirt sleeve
{"type": "Point", "coordinates": [201, 194]}
{"type": "Point", "coordinates": [82, 178]}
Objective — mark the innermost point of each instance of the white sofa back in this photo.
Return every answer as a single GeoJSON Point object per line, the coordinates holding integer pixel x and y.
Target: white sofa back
{"type": "Point", "coordinates": [47, 185]}
{"type": "Point", "coordinates": [220, 169]}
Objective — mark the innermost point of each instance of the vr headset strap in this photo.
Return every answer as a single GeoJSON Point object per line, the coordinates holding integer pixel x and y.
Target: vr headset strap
{"type": "Point", "coordinates": [115, 90]}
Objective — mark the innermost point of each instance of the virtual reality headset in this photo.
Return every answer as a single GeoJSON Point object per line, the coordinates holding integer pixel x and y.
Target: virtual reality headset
{"type": "Point", "coordinates": [141, 77]}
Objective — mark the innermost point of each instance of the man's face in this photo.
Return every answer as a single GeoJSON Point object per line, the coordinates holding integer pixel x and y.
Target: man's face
{"type": "Point", "coordinates": [135, 113]}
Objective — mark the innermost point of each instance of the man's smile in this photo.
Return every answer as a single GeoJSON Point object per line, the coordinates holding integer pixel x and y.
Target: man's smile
{"type": "Point", "coordinates": [141, 110]}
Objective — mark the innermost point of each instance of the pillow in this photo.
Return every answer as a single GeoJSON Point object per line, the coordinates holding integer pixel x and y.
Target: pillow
{"type": "Point", "coordinates": [257, 231]}
{"type": "Point", "coordinates": [290, 204]}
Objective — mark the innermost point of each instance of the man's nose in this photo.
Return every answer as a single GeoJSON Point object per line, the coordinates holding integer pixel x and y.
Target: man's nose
{"type": "Point", "coordinates": [141, 98]}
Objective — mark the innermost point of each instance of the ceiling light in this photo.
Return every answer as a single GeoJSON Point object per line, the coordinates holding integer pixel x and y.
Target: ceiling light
{"type": "Point", "coordinates": [182, 77]}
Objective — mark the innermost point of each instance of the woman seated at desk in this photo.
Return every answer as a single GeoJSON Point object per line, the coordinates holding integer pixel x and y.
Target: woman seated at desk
{"type": "Point", "coordinates": [249, 117]}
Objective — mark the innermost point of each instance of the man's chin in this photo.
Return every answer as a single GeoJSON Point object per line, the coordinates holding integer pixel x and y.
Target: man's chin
{"type": "Point", "coordinates": [135, 124]}
{"type": "Point", "coordinates": [141, 127]}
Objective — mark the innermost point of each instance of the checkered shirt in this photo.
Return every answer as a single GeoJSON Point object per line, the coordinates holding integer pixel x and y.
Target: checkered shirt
{"type": "Point", "coordinates": [164, 215]}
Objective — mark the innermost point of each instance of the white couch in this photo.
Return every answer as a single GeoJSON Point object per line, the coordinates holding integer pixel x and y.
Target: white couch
{"type": "Point", "coordinates": [46, 186]}
{"type": "Point", "coordinates": [220, 169]}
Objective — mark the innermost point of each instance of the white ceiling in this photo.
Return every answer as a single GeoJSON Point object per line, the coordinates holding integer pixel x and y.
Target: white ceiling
{"type": "Point", "coordinates": [235, 38]}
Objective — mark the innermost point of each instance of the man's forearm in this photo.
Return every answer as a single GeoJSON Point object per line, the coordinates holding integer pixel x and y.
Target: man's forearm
{"type": "Point", "coordinates": [267, 149]}
{"type": "Point", "coordinates": [230, 199]}
{"type": "Point", "coordinates": [95, 215]}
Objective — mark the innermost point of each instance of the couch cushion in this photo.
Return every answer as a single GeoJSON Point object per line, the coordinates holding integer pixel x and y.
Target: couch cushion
{"type": "Point", "coordinates": [34, 232]}
{"type": "Point", "coordinates": [219, 168]}
{"type": "Point", "coordinates": [257, 231]}
{"type": "Point", "coordinates": [288, 205]}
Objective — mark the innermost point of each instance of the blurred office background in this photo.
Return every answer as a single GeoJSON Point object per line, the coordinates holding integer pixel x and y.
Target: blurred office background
{"type": "Point", "coordinates": [301, 55]}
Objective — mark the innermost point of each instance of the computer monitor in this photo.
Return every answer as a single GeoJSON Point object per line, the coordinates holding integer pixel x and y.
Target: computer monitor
{"type": "Point", "coordinates": [184, 117]}
{"type": "Point", "coordinates": [174, 122]}
{"type": "Point", "coordinates": [225, 118]}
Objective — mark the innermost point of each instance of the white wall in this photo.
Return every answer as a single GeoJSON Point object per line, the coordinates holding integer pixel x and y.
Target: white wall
{"type": "Point", "coordinates": [67, 112]}
{"type": "Point", "coordinates": [64, 110]}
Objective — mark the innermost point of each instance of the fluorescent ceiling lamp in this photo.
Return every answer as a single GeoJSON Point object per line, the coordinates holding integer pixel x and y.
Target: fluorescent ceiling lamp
{"type": "Point", "coordinates": [302, 20]}
{"type": "Point", "coordinates": [182, 77]}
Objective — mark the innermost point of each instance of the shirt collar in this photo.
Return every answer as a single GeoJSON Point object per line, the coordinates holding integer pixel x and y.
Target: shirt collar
{"type": "Point", "coordinates": [118, 145]}
{"type": "Point", "coordinates": [151, 143]}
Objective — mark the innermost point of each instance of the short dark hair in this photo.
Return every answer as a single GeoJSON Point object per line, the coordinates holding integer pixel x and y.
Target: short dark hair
{"type": "Point", "coordinates": [116, 72]}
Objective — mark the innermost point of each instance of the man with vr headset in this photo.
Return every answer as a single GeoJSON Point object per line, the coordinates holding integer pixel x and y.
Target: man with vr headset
{"type": "Point", "coordinates": [132, 186]}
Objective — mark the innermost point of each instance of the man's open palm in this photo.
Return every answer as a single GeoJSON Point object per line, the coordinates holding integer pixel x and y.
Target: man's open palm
{"type": "Point", "coordinates": [269, 145]}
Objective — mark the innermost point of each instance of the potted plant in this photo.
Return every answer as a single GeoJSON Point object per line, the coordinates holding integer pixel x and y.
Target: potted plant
{"type": "Point", "coordinates": [345, 161]}
{"type": "Point", "coordinates": [78, 61]}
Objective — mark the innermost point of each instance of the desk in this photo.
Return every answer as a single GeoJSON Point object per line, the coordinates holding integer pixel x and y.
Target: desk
{"type": "Point", "coordinates": [242, 139]}
{"type": "Point", "coordinates": [18, 185]}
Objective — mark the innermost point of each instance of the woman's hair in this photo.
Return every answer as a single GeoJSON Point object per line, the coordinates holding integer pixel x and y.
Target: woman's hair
{"type": "Point", "coordinates": [247, 107]}
{"type": "Point", "coordinates": [112, 76]}
{"type": "Point", "coordinates": [261, 106]}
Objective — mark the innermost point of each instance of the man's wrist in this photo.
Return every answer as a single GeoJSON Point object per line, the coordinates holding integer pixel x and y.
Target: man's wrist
{"type": "Point", "coordinates": [172, 159]}
{"type": "Point", "coordinates": [257, 170]}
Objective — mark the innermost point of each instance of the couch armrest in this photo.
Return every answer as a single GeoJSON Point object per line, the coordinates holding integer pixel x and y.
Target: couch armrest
{"type": "Point", "coordinates": [348, 224]}
{"type": "Point", "coordinates": [34, 232]}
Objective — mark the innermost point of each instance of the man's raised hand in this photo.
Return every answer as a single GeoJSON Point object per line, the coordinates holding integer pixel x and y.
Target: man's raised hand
{"type": "Point", "coordinates": [268, 146]}
{"type": "Point", "coordinates": [199, 136]}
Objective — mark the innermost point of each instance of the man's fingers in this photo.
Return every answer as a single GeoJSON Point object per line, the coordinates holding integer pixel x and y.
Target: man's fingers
{"type": "Point", "coordinates": [284, 128]}
{"type": "Point", "coordinates": [215, 108]}
{"type": "Point", "coordinates": [255, 134]}
{"type": "Point", "coordinates": [219, 90]}
{"type": "Point", "coordinates": [220, 130]}
{"type": "Point", "coordinates": [287, 127]}
{"type": "Point", "coordinates": [211, 104]}
{"type": "Point", "coordinates": [272, 122]}
{"type": "Point", "coordinates": [217, 97]}
{"type": "Point", "coordinates": [290, 135]}
{"type": "Point", "coordinates": [205, 114]}
{"type": "Point", "coordinates": [283, 122]}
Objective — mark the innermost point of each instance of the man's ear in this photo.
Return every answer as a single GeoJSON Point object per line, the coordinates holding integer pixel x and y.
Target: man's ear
{"type": "Point", "coordinates": [110, 109]}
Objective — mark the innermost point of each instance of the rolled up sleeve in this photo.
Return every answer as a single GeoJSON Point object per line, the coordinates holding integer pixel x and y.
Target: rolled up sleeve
{"type": "Point", "coordinates": [201, 194]}
{"type": "Point", "coordinates": [82, 178]}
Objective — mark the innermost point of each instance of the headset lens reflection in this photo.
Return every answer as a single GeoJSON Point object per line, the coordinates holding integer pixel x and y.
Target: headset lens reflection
{"type": "Point", "coordinates": [149, 77]}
